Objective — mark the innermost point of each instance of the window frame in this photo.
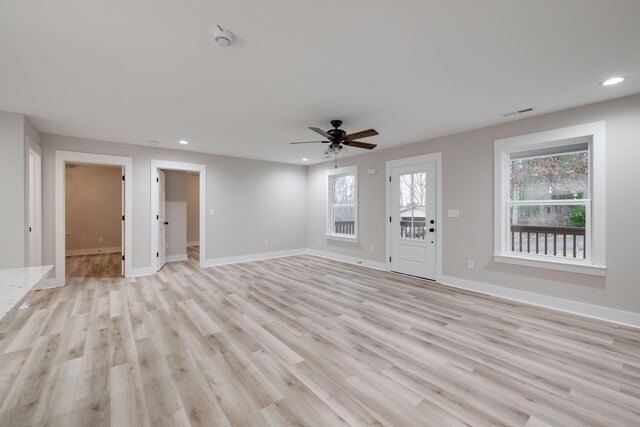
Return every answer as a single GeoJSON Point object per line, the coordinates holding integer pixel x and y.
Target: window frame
{"type": "Point", "coordinates": [332, 174]}
{"type": "Point", "coordinates": [594, 135]}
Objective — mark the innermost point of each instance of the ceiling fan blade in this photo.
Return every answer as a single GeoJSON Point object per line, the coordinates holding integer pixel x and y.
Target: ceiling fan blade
{"type": "Point", "coordinates": [362, 134]}
{"type": "Point", "coordinates": [321, 132]}
{"type": "Point", "coordinates": [359, 144]}
{"type": "Point", "coordinates": [309, 142]}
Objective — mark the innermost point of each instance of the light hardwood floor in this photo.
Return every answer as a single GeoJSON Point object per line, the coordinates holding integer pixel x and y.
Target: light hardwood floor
{"type": "Point", "coordinates": [307, 341]}
{"type": "Point", "coordinates": [107, 265]}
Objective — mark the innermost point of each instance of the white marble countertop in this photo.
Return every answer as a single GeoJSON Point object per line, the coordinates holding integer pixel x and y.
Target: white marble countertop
{"type": "Point", "coordinates": [16, 283]}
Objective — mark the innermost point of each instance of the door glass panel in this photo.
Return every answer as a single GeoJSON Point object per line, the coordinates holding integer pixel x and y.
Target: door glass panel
{"type": "Point", "coordinates": [413, 222]}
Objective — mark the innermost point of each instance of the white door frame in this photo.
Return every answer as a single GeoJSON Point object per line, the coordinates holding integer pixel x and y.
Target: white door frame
{"type": "Point", "coordinates": [34, 149]}
{"type": "Point", "coordinates": [64, 157]}
{"type": "Point", "coordinates": [177, 166]}
{"type": "Point", "coordinates": [437, 159]}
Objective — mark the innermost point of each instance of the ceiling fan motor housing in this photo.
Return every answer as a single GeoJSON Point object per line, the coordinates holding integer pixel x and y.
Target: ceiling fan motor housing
{"type": "Point", "coordinates": [338, 134]}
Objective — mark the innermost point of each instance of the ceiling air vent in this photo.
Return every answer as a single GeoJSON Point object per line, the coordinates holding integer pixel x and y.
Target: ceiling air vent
{"type": "Point", "coordinates": [513, 113]}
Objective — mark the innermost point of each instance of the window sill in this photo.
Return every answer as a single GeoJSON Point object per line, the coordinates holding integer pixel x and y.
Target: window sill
{"type": "Point", "coordinates": [342, 237]}
{"type": "Point", "coordinates": [572, 267]}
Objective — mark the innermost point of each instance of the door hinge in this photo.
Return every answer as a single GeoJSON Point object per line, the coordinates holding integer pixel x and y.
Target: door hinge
{"type": "Point", "coordinates": [389, 219]}
{"type": "Point", "coordinates": [389, 179]}
{"type": "Point", "coordinates": [29, 229]}
{"type": "Point", "coordinates": [123, 257]}
{"type": "Point", "coordinates": [123, 177]}
{"type": "Point", "coordinates": [389, 259]}
{"type": "Point", "coordinates": [157, 216]}
{"type": "Point", "coordinates": [157, 179]}
{"type": "Point", "coordinates": [123, 217]}
{"type": "Point", "coordinates": [157, 254]}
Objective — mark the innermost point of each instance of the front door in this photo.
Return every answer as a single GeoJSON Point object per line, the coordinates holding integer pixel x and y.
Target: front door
{"type": "Point", "coordinates": [413, 215]}
{"type": "Point", "coordinates": [162, 228]}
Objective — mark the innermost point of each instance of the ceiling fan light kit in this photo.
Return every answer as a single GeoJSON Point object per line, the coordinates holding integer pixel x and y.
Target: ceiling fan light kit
{"type": "Point", "coordinates": [223, 37]}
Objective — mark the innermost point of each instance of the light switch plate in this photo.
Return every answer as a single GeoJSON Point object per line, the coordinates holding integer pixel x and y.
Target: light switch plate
{"type": "Point", "coordinates": [453, 213]}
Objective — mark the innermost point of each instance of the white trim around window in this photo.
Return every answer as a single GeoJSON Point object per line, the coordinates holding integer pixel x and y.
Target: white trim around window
{"type": "Point", "coordinates": [594, 135]}
{"type": "Point", "coordinates": [332, 174]}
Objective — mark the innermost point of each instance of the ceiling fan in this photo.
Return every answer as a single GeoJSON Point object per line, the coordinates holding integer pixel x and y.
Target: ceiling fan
{"type": "Point", "coordinates": [339, 139]}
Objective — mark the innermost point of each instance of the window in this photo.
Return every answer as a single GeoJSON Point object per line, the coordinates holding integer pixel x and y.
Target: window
{"type": "Point", "coordinates": [550, 199]}
{"type": "Point", "coordinates": [413, 191]}
{"type": "Point", "coordinates": [342, 203]}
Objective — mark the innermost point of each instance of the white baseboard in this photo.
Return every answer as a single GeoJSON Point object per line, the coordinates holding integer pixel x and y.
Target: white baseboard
{"type": "Point", "coordinates": [176, 258]}
{"type": "Point", "coordinates": [588, 310]}
{"type": "Point", "coordinates": [194, 243]}
{"type": "Point", "coordinates": [93, 251]}
{"type": "Point", "coordinates": [253, 257]}
{"type": "Point", "coordinates": [142, 271]}
{"type": "Point", "coordinates": [350, 260]}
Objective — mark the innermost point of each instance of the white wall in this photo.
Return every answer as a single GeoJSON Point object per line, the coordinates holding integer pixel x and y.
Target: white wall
{"type": "Point", "coordinates": [193, 207]}
{"type": "Point", "coordinates": [93, 208]}
{"type": "Point", "coordinates": [253, 200]}
{"type": "Point", "coordinates": [176, 212]}
{"type": "Point", "coordinates": [468, 186]}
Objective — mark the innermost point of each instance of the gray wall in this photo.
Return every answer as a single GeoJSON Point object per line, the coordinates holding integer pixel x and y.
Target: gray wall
{"type": "Point", "coordinates": [12, 189]}
{"type": "Point", "coordinates": [468, 185]}
{"type": "Point", "coordinates": [176, 212]}
{"type": "Point", "coordinates": [253, 200]}
{"type": "Point", "coordinates": [93, 207]}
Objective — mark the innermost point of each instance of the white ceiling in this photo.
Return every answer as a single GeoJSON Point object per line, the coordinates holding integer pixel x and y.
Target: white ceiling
{"type": "Point", "coordinates": [133, 71]}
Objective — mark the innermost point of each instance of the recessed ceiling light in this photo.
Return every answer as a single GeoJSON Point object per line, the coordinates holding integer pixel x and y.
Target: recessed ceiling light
{"type": "Point", "coordinates": [184, 142]}
{"type": "Point", "coordinates": [305, 159]}
{"type": "Point", "coordinates": [612, 81]}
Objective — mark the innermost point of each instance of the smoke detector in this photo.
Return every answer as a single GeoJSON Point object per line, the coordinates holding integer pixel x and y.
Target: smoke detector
{"type": "Point", "coordinates": [223, 37]}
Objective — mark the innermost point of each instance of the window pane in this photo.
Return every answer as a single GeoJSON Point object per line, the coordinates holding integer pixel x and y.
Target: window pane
{"type": "Point", "coordinates": [419, 188]}
{"type": "Point", "coordinates": [557, 230]}
{"type": "Point", "coordinates": [412, 206]}
{"type": "Point", "coordinates": [344, 190]}
{"type": "Point", "coordinates": [344, 220]}
{"type": "Point", "coordinates": [552, 177]}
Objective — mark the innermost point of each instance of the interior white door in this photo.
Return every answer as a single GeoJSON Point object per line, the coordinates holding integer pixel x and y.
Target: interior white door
{"type": "Point", "coordinates": [124, 256]}
{"type": "Point", "coordinates": [35, 213]}
{"type": "Point", "coordinates": [413, 215]}
{"type": "Point", "coordinates": [162, 229]}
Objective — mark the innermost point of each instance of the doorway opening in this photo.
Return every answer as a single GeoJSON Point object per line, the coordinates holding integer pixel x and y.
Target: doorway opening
{"type": "Point", "coordinates": [178, 222]}
{"type": "Point", "coordinates": [123, 168]}
{"type": "Point", "coordinates": [94, 221]}
{"type": "Point", "coordinates": [34, 204]}
{"type": "Point", "coordinates": [414, 208]}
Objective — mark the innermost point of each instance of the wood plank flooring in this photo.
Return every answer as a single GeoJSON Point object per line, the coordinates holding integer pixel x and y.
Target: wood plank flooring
{"type": "Point", "coordinates": [95, 265]}
{"type": "Point", "coordinates": [307, 341]}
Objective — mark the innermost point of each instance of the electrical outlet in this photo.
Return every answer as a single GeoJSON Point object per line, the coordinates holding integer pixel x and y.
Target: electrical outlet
{"type": "Point", "coordinates": [371, 249]}
{"type": "Point", "coordinates": [266, 243]}
{"type": "Point", "coordinates": [470, 265]}
{"type": "Point", "coordinates": [211, 212]}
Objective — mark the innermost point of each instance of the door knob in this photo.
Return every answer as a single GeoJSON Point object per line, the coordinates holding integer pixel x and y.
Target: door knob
{"type": "Point", "coordinates": [432, 230]}
{"type": "Point", "coordinates": [166, 223]}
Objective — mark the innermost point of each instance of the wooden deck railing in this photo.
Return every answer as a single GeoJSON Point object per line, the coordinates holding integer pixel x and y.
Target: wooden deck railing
{"type": "Point", "coordinates": [417, 231]}
{"type": "Point", "coordinates": [344, 227]}
{"type": "Point", "coordinates": [528, 238]}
